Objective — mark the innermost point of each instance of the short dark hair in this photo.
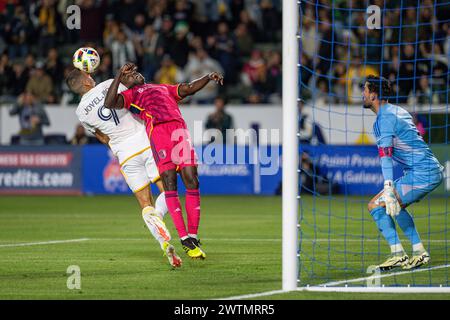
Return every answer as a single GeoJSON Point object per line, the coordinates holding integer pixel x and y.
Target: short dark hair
{"type": "Point", "coordinates": [379, 85]}
{"type": "Point", "coordinates": [73, 80]}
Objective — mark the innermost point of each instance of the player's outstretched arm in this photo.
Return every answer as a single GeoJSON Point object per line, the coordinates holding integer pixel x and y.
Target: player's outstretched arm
{"type": "Point", "coordinates": [112, 99]}
{"type": "Point", "coordinates": [187, 89]}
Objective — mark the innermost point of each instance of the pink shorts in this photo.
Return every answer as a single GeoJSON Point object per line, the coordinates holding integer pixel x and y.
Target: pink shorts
{"type": "Point", "coordinates": [172, 146]}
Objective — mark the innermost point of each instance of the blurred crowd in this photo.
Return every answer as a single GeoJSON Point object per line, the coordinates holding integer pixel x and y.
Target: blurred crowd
{"type": "Point", "coordinates": [180, 40]}
{"type": "Point", "coordinates": [170, 41]}
{"type": "Point", "coordinates": [339, 50]}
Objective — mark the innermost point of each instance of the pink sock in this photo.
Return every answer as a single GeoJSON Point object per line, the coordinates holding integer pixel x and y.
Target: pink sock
{"type": "Point", "coordinates": [193, 210]}
{"type": "Point", "coordinates": [174, 206]}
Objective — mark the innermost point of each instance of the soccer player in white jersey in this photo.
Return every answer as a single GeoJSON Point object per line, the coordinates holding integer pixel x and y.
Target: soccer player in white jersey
{"type": "Point", "coordinates": [127, 138]}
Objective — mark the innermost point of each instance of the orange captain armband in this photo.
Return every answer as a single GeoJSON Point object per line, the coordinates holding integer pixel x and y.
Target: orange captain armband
{"type": "Point", "coordinates": [385, 151]}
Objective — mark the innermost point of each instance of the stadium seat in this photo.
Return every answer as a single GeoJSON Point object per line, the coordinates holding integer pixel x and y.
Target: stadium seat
{"type": "Point", "coordinates": [55, 139]}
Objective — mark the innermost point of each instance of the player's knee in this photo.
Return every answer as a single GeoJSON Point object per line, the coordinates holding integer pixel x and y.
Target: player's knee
{"type": "Point", "coordinates": [190, 178]}
{"type": "Point", "coordinates": [192, 183]}
{"type": "Point", "coordinates": [169, 181]}
{"type": "Point", "coordinates": [195, 185]}
{"type": "Point", "coordinates": [170, 185]}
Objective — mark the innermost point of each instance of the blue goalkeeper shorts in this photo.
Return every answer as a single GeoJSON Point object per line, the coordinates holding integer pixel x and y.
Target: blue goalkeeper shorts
{"type": "Point", "coordinates": [412, 187]}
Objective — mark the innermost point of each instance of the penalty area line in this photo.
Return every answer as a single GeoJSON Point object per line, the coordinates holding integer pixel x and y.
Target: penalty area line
{"type": "Point", "coordinates": [25, 244]}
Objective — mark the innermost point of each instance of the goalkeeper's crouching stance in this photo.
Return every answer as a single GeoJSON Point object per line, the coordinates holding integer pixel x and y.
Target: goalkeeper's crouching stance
{"type": "Point", "coordinates": [398, 139]}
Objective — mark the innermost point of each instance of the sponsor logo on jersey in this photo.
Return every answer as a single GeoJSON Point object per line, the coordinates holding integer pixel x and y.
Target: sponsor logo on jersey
{"type": "Point", "coordinates": [162, 154]}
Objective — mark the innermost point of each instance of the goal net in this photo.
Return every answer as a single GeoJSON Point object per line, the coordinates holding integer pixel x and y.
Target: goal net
{"type": "Point", "coordinates": [340, 43]}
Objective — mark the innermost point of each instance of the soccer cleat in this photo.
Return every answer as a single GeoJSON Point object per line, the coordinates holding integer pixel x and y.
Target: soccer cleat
{"type": "Point", "coordinates": [196, 241]}
{"type": "Point", "coordinates": [417, 261]}
{"type": "Point", "coordinates": [198, 244]}
{"type": "Point", "coordinates": [394, 261]}
{"type": "Point", "coordinates": [169, 251]}
{"type": "Point", "coordinates": [192, 250]}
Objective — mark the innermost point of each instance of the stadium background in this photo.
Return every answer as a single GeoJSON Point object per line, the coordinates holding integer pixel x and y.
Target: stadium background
{"type": "Point", "coordinates": [180, 40]}
{"type": "Point", "coordinates": [173, 41]}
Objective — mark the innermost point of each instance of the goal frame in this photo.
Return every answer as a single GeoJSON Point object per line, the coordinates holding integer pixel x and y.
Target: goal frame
{"type": "Point", "coordinates": [290, 146]}
{"type": "Point", "coordinates": [290, 162]}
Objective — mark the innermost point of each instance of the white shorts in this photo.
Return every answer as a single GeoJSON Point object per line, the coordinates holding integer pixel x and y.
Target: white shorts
{"type": "Point", "coordinates": [140, 170]}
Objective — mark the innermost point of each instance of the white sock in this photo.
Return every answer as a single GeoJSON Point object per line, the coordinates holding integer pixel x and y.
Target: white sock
{"type": "Point", "coordinates": [192, 235]}
{"type": "Point", "coordinates": [148, 214]}
{"type": "Point", "coordinates": [160, 205]}
{"type": "Point", "coordinates": [397, 248]}
{"type": "Point", "coordinates": [418, 247]}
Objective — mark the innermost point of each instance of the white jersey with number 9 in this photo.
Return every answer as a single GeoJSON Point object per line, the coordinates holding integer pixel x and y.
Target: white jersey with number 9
{"type": "Point", "coordinates": [127, 134]}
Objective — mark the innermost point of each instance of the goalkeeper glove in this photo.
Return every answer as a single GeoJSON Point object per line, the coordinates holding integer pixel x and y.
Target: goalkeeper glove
{"type": "Point", "coordinates": [392, 206]}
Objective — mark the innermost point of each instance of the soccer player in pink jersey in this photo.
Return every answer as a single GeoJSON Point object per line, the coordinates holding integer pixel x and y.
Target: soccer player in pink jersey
{"type": "Point", "coordinates": [157, 105]}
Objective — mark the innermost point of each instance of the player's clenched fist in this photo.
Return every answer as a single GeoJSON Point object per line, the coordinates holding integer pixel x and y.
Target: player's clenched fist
{"type": "Point", "coordinates": [128, 68]}
{"type": "Point", "coordinates": [217, 77]}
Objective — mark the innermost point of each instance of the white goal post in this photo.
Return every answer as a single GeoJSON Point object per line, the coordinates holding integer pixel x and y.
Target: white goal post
{"type": "Point", "coordinates": [290, 145]}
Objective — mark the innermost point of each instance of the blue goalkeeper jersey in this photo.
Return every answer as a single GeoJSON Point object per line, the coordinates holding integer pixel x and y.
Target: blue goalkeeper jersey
{"type": "Point", "coordinates": [394, 128]}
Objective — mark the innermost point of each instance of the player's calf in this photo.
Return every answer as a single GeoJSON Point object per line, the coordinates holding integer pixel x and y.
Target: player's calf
{"type": "Point", "coordinates": [156, 225]}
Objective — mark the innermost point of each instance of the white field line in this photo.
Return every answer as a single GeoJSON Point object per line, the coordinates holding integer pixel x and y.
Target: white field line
{"type": "Point", "coordinates": [321, 287]}
{"type": "Point", "coordinates": [254, 295]}
{"type": "Point", "coordinates": [25, 244]}
{"type": "Point", "coordinates": [260, 240]}
{"type": "Point", "coordinates": [205, 239]}
{"type": "Point", "coordinates": [378, 289]}
{"type": "Point", "coordinates": [329, 286]}
{"type": "Point", "coordinates": [337, 283]}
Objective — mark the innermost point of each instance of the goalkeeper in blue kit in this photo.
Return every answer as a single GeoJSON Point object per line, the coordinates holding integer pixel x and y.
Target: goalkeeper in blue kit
{"type": "Point", "coordinates": [398, 140]}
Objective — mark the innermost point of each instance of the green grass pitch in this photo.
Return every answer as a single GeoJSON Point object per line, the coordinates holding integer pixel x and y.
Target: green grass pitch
{"type": "Point", "coordinates": [241, 235]}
